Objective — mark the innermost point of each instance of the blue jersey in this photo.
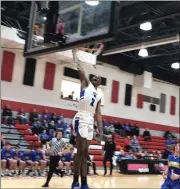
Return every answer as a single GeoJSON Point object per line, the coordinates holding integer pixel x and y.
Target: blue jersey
{"type": "Point", "coordinates": [38, 156]}
{"type": "Point", "coordinates": [20, 155]}
{"type": "Point", "coordinates": [68, 157]}
{"type": "Point", "coordinates": [174, 165]}
{"type": "Point", "coordinates": [7, 154]}
{"type": "Point", "coordinates": [28, 156]}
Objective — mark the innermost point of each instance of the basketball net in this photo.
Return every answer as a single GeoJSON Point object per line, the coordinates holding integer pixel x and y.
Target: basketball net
{"type": "Point", "coordinates": [89, 54]}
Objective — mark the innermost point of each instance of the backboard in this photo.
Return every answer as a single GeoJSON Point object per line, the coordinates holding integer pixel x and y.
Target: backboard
{"type": "Point", "coordinates": [69, 24]}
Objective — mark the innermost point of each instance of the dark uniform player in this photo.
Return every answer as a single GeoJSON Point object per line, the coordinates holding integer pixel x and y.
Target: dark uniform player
{"type": "Point", "coordinates": [172, 175]}
{"type": "Point", "coordinates": [91, 163]}
{"type": "Point", "coordinates": [7, 160]}
{"type": "Point", "coordinates": [109, 149]}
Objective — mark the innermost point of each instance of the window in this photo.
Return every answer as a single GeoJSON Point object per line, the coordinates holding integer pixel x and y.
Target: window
{"type": "Point", "coordinates": [70, 90]}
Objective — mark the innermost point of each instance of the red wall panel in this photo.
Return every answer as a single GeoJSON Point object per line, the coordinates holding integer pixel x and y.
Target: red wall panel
{"type": "Point", "coordinates": [173, 105]}
{"type": "Point", "coordinates": [7, 66]}
{"type": "Point", "coordinates": [139, 101]}
{"type": "Point", "coordinates": [49, 76]}
{"type": "Point", "coordinates": [115, 92]}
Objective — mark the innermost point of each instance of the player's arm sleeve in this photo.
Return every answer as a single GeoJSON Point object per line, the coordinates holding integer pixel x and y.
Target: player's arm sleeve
{"type": "Point", "coordinates": [98, 115]}
{"type": "Point", "coordinates": [82, 76]}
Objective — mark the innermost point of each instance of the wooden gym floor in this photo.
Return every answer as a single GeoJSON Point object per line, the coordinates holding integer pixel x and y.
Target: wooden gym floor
{"type": "Point", "coordinates": [116, 181]}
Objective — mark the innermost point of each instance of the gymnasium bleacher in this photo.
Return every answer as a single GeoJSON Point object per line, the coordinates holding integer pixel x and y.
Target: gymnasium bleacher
{"type": "Point", "coordinates": [20, 135]}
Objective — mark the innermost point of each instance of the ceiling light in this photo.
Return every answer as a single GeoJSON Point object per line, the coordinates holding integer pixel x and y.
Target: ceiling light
{"type": "Point", "coordinates": [175, 65]}
{"type": "Point", "coordinates": [92, 3]}
{"type": "Point", "coordinates": [143, 53]}
{"type": "Point", "coordinates": [44, 18]}
{"type": "Point", "coordinates": [146, 26]}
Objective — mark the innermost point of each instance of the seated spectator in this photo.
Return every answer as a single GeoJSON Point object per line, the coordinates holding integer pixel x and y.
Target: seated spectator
{"type": "Point", "coordinates": [128, 129]}
{"type": "Point", "coordinates": [118, 128]}
{"type": "Point", "coordinates": [91, 163]}
{"type": "Point", "coordinates": [8, 155]}
{"type": "Point", "coordinates": [159, 155]}
{"type": "Point", "coordinates": [135, 144]}
{"type": "Point", "coordinates": [170, 142]}
{"type": "Point", "coordinates": [44, 137]}
{"type": "Point", "coordinates": [7, 115]}
{"type": "Point", "coordinates": [45, 116]}
{"type": "Point", "coordinates": [21, 116]}
{"type": "Point", "coordinates": [167, 152]}
{"type": "Point", "coordinates": [34, 118]}
{"type": "Point", "coordinates": [127, 143]}
{"type": "Point", "coordinates": [45, 125]}
{"type": "Point", "coordinates": [168, 135]}
{"type": "Point", "coordinates": [61, 126]}
{"type": "Point", "coordinates": [147, 135]}
{"type": "Point", "coordinates": [54, 117]}
{"type": "Point", "coordinates": [130, 155]}
{"type": "Point", "coordinates": [51, 126]}
{"type": "Point", "coordinates": [136, 130]}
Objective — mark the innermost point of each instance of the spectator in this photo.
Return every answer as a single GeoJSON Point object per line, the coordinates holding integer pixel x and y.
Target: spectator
{"type": "Point", "coordinates": [147, 135]}
{"type": "Point", "coordinates": [54, 117]}
{"type": "Point", "coordinates": [59, 125]}
{"type": "Point", "coordinates": [168, 135]}
{"type": "Point", "coordinates": [34, 118]}
{"type": "Point", "coordinates": [51, 126]}
{"type": "Point", "coordinates": [45, 125]}
{"type": "Point", "coordinates": [71, 96]}
{"type": "Point", "coordinates": [44, 137]}
{"type": "Point", "coordinates": [128, 129]}
{"type": "Point", "coordinates": [130, 155]}
{"type": "Point", "coordinates": [170, 141]}
{"type": "Point", "coordinates": [127, 143]}
{"type": "Point", "coordinates": [135, 144]}
{"type": "Point", "coordinates": [21, 116]}
{"type": "Point", "coordinates": [45, 116]}
{"type": "Point", "coordinates": [7, 115]}
{"type": "Point", "coordinates": [159, 155]}
{"type": "Point", "coordinates": [118, 128]}
{"type": "Point", "coordinates": [167, 152]}
{"type": "Point", "coordinates": [136, 130]}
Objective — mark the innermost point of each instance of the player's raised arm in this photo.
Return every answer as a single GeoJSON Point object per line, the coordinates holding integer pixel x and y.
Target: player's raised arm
{"type": "Point", "coordinates": [84, 80]}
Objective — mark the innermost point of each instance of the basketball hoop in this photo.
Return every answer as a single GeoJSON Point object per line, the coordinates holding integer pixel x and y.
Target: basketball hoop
{"type": "Point", "coordinates": [89, 54]}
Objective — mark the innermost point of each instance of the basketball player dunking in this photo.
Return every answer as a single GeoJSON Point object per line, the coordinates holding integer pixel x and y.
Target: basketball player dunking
{"type": "Point", "coordinates": [83, 123]}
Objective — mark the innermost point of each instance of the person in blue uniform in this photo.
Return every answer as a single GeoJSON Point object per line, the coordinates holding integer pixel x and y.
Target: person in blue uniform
{"type": "Point", "coordinates": [29, 159]}
{"type": "Point", "coordinates": [172, 174]}
{"type": "Point", "coordinates": [19, 156]}
{"type": "Point", "coordinates": [68, 160]}
{"type": "Point", "coordinates": [39, 160]}
{"type": "Point", "coordinates": [7, 160]}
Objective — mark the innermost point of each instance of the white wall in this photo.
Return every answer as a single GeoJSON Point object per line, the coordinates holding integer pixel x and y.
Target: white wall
{"type": "Point", "coordinates": [16, 91]}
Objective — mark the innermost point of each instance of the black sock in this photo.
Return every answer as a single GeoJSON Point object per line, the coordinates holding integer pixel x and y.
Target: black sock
{"type": "Point", "coordinates": [83, 180]}
{"type": "Point", "coordinates": [76, 179]}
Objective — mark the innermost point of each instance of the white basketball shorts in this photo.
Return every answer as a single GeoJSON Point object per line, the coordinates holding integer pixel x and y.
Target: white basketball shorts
{"type": "Point", "coordinates": [83, 125]}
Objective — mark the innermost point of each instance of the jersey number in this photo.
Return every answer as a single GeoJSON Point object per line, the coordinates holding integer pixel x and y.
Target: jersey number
{"type": "Point", "coordinates": [93, 99]}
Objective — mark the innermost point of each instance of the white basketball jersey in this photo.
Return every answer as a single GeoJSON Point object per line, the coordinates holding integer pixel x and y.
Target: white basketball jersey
{"type": "Point", "coordinates": [89, 99]}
